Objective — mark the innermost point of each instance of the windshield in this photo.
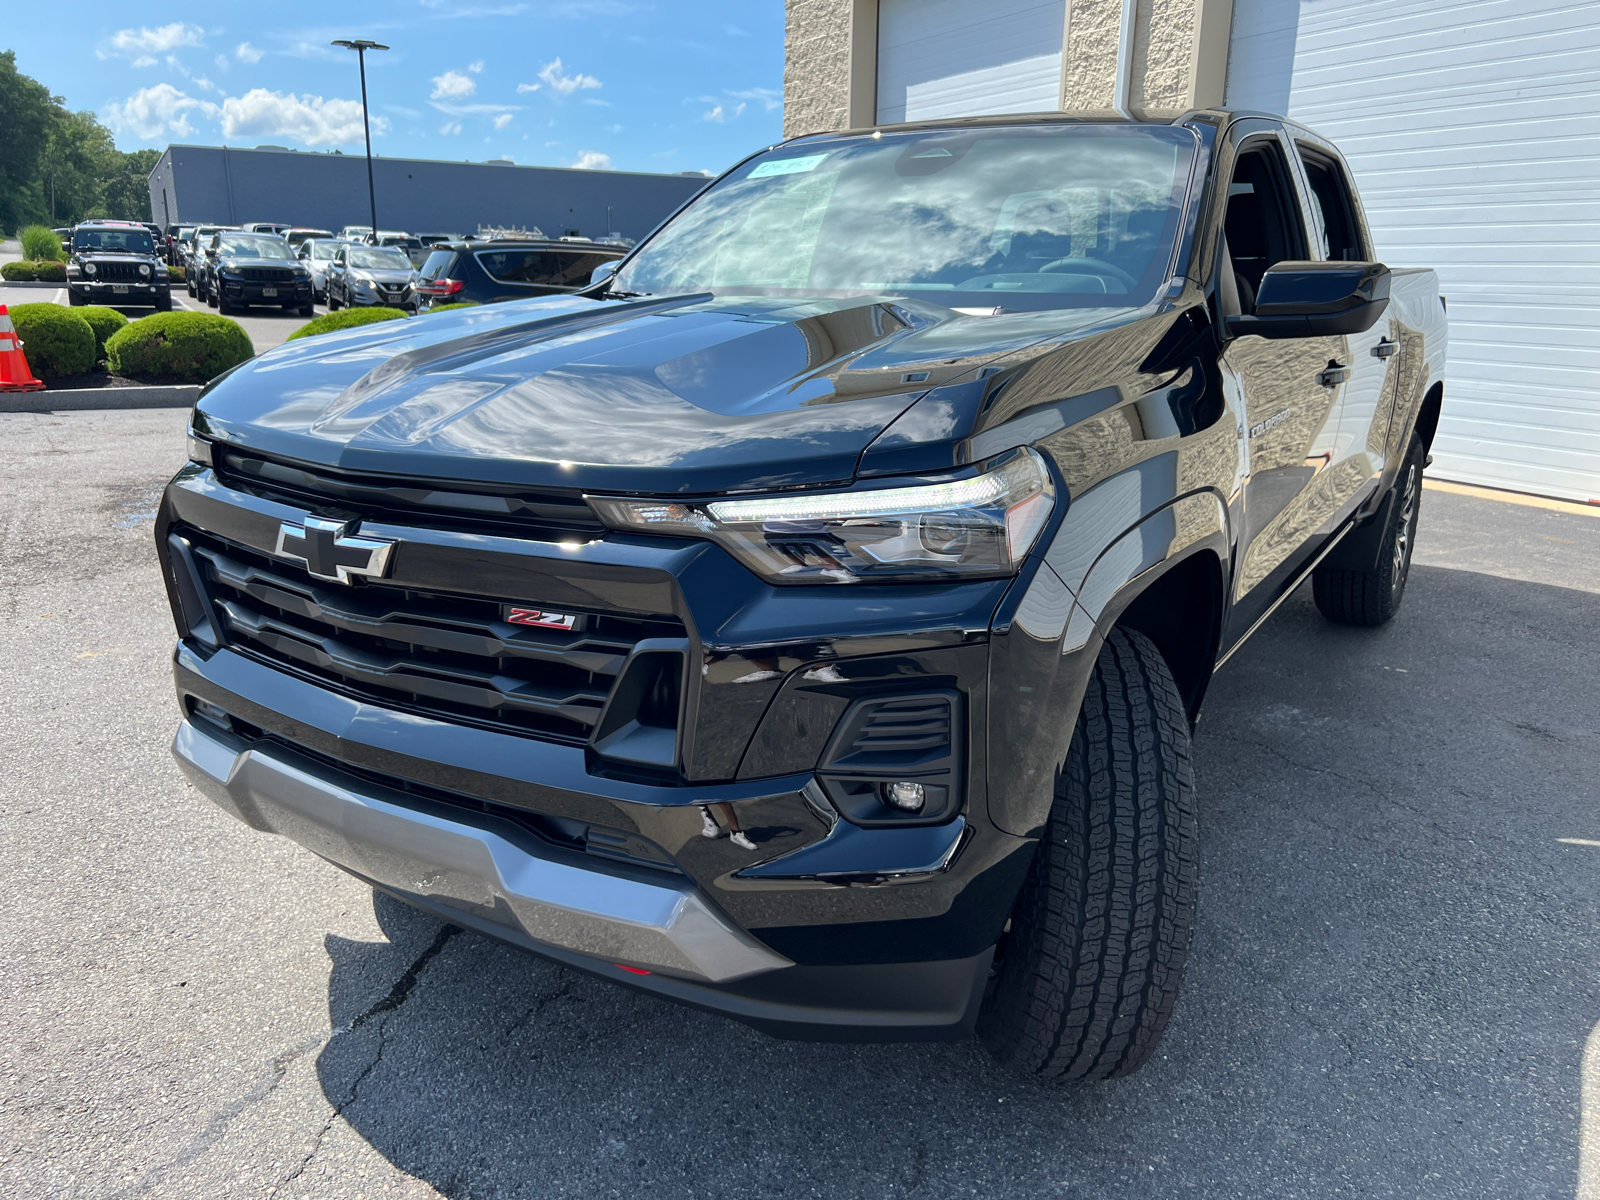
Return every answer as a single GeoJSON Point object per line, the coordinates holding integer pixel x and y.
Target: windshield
{"type": "Point", "coordinates": [1020, 218]}
{"type": "Point", "coordinates": [382, 258]}
{"type": "Point", "coordinates": [255, 247]}
{"type": "Point", "coordinates": [132, 241]}
{"type": "Point", "coordinates": [323, 251]}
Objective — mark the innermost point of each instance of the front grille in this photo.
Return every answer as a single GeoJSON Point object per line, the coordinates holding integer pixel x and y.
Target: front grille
{"type": "Point", "coordinates": [119, 272]}
{"type": "Point", "coordinates": [546, 516]}
{"type": "Point", "coordinates": [268, 274]}
{"type": "Point", "coordinates": [437, 654]}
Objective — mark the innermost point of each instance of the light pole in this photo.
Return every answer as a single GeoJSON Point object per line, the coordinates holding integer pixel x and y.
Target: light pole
{"type": "Point", "coordinates": [361, 46]}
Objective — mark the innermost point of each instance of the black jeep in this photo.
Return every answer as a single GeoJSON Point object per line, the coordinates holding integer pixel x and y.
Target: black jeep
{"type": "Point", "coordinates": [116, 262]}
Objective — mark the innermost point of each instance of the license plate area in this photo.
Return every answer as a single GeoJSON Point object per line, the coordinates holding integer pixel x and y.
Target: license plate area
{"type": "Point", "coordinates": [119, 287]}
{"type": "Point", "coordinates": [269, 291]}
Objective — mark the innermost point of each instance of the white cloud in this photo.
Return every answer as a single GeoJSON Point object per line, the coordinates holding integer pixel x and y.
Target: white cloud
{"type": "Point", "coordinates": [476, 68]}
{"type": "Point", "coordinates": [770, 98]}
{"type": "Point", "coordinates": [714, 115]}
{"type": "Point", "coordinates": [720, 115]}
{"type": "Point", "coordinates": [143, 44]}
{"type": "Point", "coordinates": [564, 85]}
{"type": "Point", "coordinates": [450, 128]}
{"type": "Point", "coordinates": [473, 110]}
{"type": "Point", "coordinates": [222, 62]}
{"type": "Point", "coordinates": [453, 85]}
{"type": "Point", "coordinates": [502, 120]}
{"type": "Point", "coordinates": [155, 112]}
{"type": "Point", "coordinates": [524, 88]}
{"type": "Point", "coordinates": [310, 120]}
{"type": "Point", "coordinates": [245, 52]}
{"type": "Point", "coordinates": [592, 160]}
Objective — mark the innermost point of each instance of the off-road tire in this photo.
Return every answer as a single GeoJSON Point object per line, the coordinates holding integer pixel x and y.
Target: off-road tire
{"type": "Point", "coordinates": [164, 303]}
{"type": "Point", "coordinates": [1089, 972]}
{"type": "Point", "coordinates": [1373, 597]}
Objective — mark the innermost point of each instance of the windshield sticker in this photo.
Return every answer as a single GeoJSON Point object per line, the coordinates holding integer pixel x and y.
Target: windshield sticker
{"type": "Point", "coordinates": [786, 166]}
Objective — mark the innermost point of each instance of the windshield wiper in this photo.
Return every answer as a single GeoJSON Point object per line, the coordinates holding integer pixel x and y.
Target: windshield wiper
{"type": "Point", "coordinates": [612, 295]}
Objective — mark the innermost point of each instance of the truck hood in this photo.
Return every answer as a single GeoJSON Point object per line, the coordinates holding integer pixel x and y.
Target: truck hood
{"type": "Point", "coordinates": [676, 395]}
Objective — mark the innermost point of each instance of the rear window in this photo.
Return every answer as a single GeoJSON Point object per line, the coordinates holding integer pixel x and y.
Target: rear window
{"type": "Point", "coordinates": [548, 268]}
{"type": "Point", "coordinates": [438, 265]}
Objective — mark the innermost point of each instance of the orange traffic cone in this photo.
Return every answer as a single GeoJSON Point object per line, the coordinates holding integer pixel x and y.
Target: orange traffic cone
{"type": "Point", "coordinates": [14, 373]}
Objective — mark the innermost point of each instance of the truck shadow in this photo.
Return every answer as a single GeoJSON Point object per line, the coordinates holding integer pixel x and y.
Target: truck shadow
{"type": "Point", "coordinates": [1393, 978]}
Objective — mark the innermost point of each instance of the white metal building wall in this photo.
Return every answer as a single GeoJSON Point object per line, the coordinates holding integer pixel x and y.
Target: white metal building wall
{"type": "Point", "coordinates": [1473, 129]}
{"type": "Point", "coordinates": [958, 58]}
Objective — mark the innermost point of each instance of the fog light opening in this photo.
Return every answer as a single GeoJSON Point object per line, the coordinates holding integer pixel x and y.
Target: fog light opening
{"type": "Point", "coordinates": [905, 795]}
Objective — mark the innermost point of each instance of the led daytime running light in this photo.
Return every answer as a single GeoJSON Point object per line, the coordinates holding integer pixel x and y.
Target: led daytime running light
{"type": "Point", "coordinates": [978, 492]}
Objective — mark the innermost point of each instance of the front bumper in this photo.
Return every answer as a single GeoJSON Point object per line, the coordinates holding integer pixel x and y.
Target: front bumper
{"type": "Point", "coordinates": [384, 299]}
{"type": "Point", "coordinates": [122, 293]}
{"type": "Point", "coordinates": [496, 874]}
{"type": "Point", "coordinates": [256, 293]}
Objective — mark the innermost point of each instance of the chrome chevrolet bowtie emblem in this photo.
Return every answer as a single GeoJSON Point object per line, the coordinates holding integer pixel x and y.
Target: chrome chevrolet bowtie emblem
{"type": "Point", "coordinates": [331, 553]}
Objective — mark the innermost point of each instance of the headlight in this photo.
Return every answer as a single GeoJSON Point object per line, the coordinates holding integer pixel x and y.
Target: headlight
{"type": "Point", "coordinates": [144, 269]}
{"type": "Point", "coordinates": [89, 269]}
{"type": "Point", "coordinates": [983, 526]}
{"type": "Point", "coordinates": [199, 449]}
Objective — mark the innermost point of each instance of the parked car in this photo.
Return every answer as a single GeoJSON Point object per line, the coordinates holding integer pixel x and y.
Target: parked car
{"type": "Point", "coordinates": [354, 233]}
{"type": "Point", "coordinates": [808, 621]}
{"type": "Point", "coordinates": [301, 233]}
{"type": "Point", "coordinates": [367, 276]}
{"type": "Point", "coordinates": [194, 256]}
{"type": "Point", "coordinates": [276, 227]}
{"type": "Point", "coordinates": [316, 254]}
{"type": "Point", "coordinates": [172, 240]}
{"type": "Point", "coordinates": [410, 246]}
{"type": "Point", "coordinates": [486, 272]}
{"type": "Point", "coordinates": [116, 262]}
{"type": "Point", "coordinates": [244, 269]}
{"type": "Point", "coordinates": [433, 239]}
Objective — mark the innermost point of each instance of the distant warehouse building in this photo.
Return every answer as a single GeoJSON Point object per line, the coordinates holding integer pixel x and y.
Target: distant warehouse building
{"type": "Point", "coordinates": [225, 186]}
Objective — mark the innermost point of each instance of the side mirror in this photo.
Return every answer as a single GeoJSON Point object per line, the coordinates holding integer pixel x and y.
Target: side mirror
{"type": "Point", "coordinates": [1316, 299]}
{"type": "Point", "coordinates": [604, 271]}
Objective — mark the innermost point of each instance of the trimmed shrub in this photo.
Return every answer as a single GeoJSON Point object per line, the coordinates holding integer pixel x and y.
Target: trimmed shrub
{"type": "Point", "coordinates": [18, 272]}
{"type": "Point", "coordinates": [448, 307]}
{"type": "Point", "coordinates": [177, 272]}
{"type": "Point", "coordinates": [39, 243]}
{"type": "Point", "coordinates": [345, 318]}
{"type": "Point", "coordinates": [50, 272]}
{"type": "Point", "coordinates": [105, 322]}
{"type": "Point", "coordinates": [56, 340]}
{"type": "Point", "coordinates": [191, 346]}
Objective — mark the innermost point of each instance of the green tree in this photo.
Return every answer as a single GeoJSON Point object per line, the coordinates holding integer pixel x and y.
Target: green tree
{"type": "Point", "coordinates": [27, 114]}
{"type": "Point", "coordinates": [127, 190]}
{"type": "Point", "coordinates": [79, 158]}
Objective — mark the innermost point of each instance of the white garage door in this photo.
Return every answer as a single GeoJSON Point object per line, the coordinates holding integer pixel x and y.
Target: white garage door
{"type": "Point", "coordinates": [1473, 129]}
{"type": "Point", "coordinates": [962, 58]}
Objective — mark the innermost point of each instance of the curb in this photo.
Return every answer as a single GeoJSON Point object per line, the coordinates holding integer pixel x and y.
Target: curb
{"type": "Point", "coordinates": [182, 395]}
{"type": "Point", "coordinates": [31, 283]}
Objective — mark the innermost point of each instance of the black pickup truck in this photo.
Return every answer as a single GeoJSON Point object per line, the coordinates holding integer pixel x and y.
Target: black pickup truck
{"type": "Point", "coordinates": [807, 621]}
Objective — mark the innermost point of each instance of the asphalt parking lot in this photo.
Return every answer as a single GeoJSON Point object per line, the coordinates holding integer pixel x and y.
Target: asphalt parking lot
{"type": "Point", "coordinates": [1394, 990]}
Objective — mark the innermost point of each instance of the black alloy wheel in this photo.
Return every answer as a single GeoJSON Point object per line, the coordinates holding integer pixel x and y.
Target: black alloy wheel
{"type": "Point", "coordinates": [1373, 597]}
{"type": "Point", "coordinates": [1087, 975]}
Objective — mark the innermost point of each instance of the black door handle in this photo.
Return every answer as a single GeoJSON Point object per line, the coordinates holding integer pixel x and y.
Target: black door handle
{"type": "Point", "coordinates": [1386, 349]}
{"type": "Point", "coordinates": [1335, 374]}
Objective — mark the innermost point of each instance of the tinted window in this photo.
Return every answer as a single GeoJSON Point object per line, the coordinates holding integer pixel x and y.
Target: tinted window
{"type": "Point", "coordinates": [438, 266]}
{"type": "Point", "coordinates": [255, 247]}
{"type": "Point", "coordinates": [1333, 204]}
{"type": "Point", "coordinates": [381, 258]}
{"type": "Point", "coordinates": [1263, 225]}
{"type": "Point", "coordinates": [1021, 217]}
{"type": "Point", "coordinates": [548, 268]}
{"type": "Point", "coordinates": [323, 251]}
{"type": "Point", "coordinates": [135, 241]}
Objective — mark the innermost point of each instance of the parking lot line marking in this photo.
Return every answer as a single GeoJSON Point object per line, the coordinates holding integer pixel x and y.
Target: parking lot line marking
{"type": "Point", "coordinates": [1578, 842]}
{"type": "Point", "coordinates": [1522, 498]}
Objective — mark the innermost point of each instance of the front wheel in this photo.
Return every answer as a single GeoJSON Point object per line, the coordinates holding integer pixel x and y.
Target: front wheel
{"type": "Point", "coordinates": [1089, 972]}
{"type": "Point", "coordinates": [333, 301]}
{"type": "Point", "coordinates": [164, 302]}
{"type": "Point", "coordinates": [1373, 597]}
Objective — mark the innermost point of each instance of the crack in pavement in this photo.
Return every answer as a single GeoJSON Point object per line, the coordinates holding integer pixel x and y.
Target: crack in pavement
{"type": "Point", "coordinates": [279, 1069]}
{"type": "Point", "coordinates": [397, 996]}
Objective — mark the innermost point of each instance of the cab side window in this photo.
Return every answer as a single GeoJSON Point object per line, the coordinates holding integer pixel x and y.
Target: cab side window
{"type": "Point", "coordinates": [1263, 226]}
{"type": "Point", "coordinates": [1330, 196]}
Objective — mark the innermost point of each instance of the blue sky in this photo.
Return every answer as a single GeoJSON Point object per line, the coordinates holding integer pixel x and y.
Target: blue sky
{"type": "Point", "coordinates": [668, 86]}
